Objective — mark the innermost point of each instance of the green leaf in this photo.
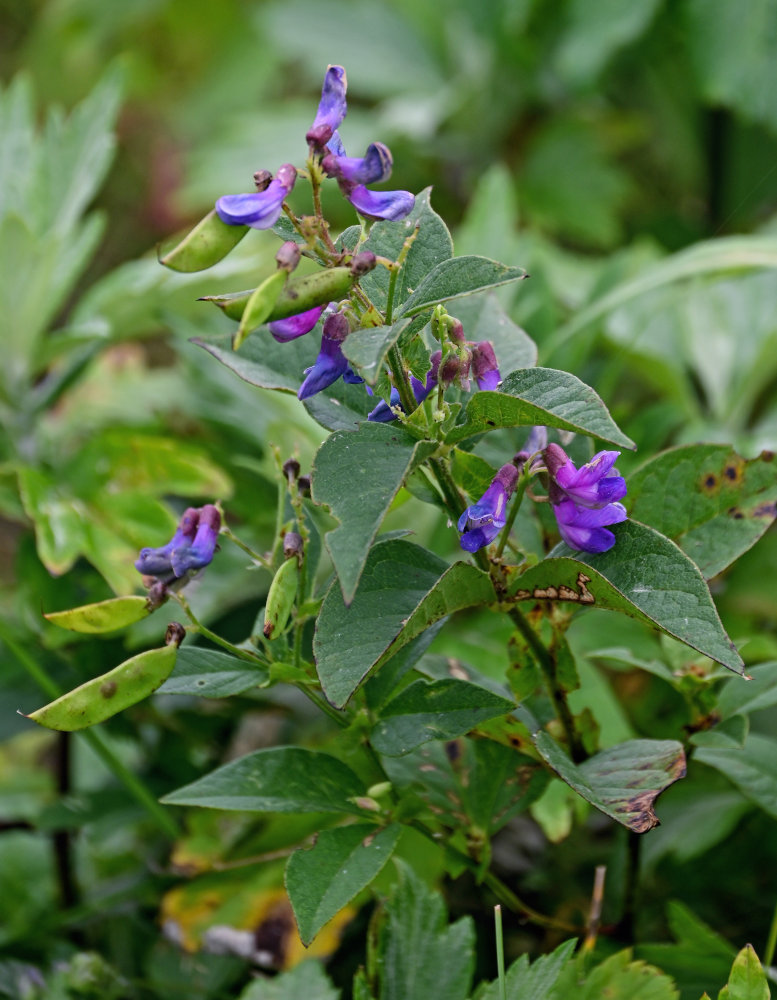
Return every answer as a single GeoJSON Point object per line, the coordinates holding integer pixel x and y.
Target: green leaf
{"type": "Point", "coordinates": [644, 575]}
{"type": "Point", "coordinates": [209, 674]}
{"type": "Point", "coordinates": [483, 318]}
{"type": "Point", "coordinates": [284, 780]}
{"type": "Point", "coordinates": [751, 769]}
{"type": "Point", "coordinates": [531, 982]}
{"type": "Point", "coordinates": [748, 979]}
{"type": "Point", "coordinates": [105, 616]}
{"type": "Point", "coordinates": [205, 245]}
{"type": "Point", "coordinates": [403, 591]}
{"type": "Point", "coordinates": [441, 710]}
{"type": "Point", "coordinates": [540, 396]}
{"type": "Point", "coordinates": [418, 954]}
{"type": "Point", "coordinates": [306, 981]}
{"type": "Point", "coordinates": [322, 880]}
{"type": "Point", "coordinates": [459, 276]}
{"type": "Point", "coordinates": [617, 978]}
{"type": "Point", "coordinates": [730, 733]}
{"type": "Point", "coordinates": [367, 349]}
{"type": "Point", "coordinates": [708, 499]}
{"type": "Point", "coordinates": [104, 696]}
{"type": "Point", "coordinates": [745, 696]}
{"type": "Point", "coordinates": [622, 781]}
{"type": "Point", "coordinates": [357, 475]}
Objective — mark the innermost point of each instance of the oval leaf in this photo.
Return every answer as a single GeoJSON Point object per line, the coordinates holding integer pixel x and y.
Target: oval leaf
{"type": "Point", "coordinates": [105, 616]}
{"type": "Point", "coordinates": [284, 779]}
{"type": "Point", "coordinates": [322, 880]}
{"type": "Point", "coordinates": [210, 674]}
{"type": "Point", "coordinates": [533, 396]}
{"type": "Point", "coordinates": [208, 243]}
{"type": "Point", "coordinates": [105, 696]}
{"type": "Point", "coordinates": [459, 276]}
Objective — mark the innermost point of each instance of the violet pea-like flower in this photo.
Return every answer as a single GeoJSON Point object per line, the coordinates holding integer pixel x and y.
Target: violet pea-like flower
{"type": "Point", "coordinates": [191, 547]}
{"type": "Point", "coordinates": [332, 109]}
{"type": "Point", "coordinates": [594, 484]}
{"type": "Point", "coordinates": [481, 522]}
{"type": "Point", "coordinates": [260, 209]}
{"type": "Point", "coordinates": [331, 364]}
{"type": "Point", "coordinates": [484, 365]}
{"type": "Point", "coordinates": [292, 327]}
{"type": "Point", "coordinates": [383, 412]}
{"type": "Point", "coordinates": [584, 528]}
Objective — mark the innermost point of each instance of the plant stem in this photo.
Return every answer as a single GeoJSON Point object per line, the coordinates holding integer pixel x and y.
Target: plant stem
{"type": "Point", "coordinates": [134, 785]}
{"type": "Point", "coordinates": [520, 489]}
{"type": "Point", "coordinates": [406, 397]}
{"type": "Point", "coordinates": [243, 654]}
{"type": "Point", "coordinates": [557, 694]}
{"type": "Point", "coordinates": [228, 533]}
{"type": "Point", "coordinates": [455, 502]}
{"type": "Point", "coordinates": [500, 952]}
{"type": "Point", "coordinates": [771, 941]}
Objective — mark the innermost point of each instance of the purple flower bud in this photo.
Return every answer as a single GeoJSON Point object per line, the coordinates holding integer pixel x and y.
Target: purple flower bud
{"type": "Point", "coordinates": [590, 485]}
{"type": "Point", "coordinates": [261, 209]}
{"type": "Point", "coordinates": [389, 205]}
{"type": "Point", "coordinates": [200, 552]}
{"type": "Point", "coordinates": [363, 263]}
{"type": "Point", "coordinates": [583, 528]}
{"type": "Point", "coordinates": [331, 109]}
{"type": "Point", "coordinates": [288, 256]}
{"type": "Point", "coordinates": [191, 547]}
{"type": "Point", "coordinates": [481, 522]}
{"type": "Point", "coordinates": [292, 544]}
{"type": "Point", "coordinates": [484, 365]}
{"type": "Point", "coordinates": [371, 168]}
{"type": "Point", "coordinates": [292, 327]}
{"type": "Point", "coordinates": [157, 562]}
{"type": "Point", "coordinates": [291, 469]}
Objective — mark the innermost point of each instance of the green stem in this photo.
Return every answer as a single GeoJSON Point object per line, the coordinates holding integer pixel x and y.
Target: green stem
{"type": "Point", "coordinates": [392, 287]}
{"type": "Point", "coordinates": [557, 694]}
{"type": "Point", "coordinates": [520, 489]}
{"type": "Point", "coordinates": [134, 785]}
{"type": "Point", "coordinates": [455, 502]}
{"type": "Point", "coordinates": [500, 952]}
{"type": "Point", "coordinates": [227, 532]}
{"type": "Point", "coordinates": [771, 941]}
{"type": "Point", "coordinates": [406, 397]}
{"type": "Point", "coordinates": [242, 654]}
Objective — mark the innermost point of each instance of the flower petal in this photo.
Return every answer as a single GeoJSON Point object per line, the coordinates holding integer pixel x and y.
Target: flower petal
{"type": "Point", "coordinates": [332, 107]}
{"type": "Point", "coordinates": [390, 205]}
{"type": "Point", "coordinates": [288, 329]}
{"type": "Point", "coordinates": [261, 209]}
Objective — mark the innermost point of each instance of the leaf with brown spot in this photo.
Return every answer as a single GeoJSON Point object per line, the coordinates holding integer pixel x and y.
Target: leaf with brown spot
{"type": "Point", "coordinates": [623, 781]}
{"type": "Point", "coordinates": [708, 499]}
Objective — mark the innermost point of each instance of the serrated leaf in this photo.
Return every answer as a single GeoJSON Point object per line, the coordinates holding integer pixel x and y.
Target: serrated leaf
{"type": "Point", "coordinates": [210, 674]}
{"type": "Point", "coordinates": [367, 349]}
{"type": "Point", "coordinates": [747, 980]}
{"type": "Point", "coordinates": [322, 880]}
{"type": "Point", "coordinates": [617, 978]}
{"type": "Point", "coordinates": [357, 475]}
{"type": "Point", "coordinates": [457, 277]}
{"type": "Point", "coordinates": [419, 954]}
{"type": "Point", "coordinates": [644, 575]}
{"type": "Point", "coordinates": [441, 710]}
{"type": "Point", "coordinates": [622, 781]}
{"type": "Point", "coordinates": [750, 768]}
{"type": "Point", "coordinates": [540, 396]}
{"type": "Point", "coordinates": [403, 591]}
{"type": "Point", "coordinates": [306, 981]}
{"type": "Point", "coordinates": [284, 780]}
{"type": "Point", "coordinates": [105, 616]}
{"type": "Point", "coordinates": [708, 499]}
{"type": "Point", "coordinates": [104, 696]}
{"type": "Point", "coordinates": [531, 982]}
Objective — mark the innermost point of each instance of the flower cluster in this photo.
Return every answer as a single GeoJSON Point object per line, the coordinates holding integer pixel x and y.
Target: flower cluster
{"type": "Point", "coordinates": [585, 500]}
{"type": "Point", "coordinates": [481, 522]}
{"type": "Point", "coordinates": [191, 547]}
{"type": "Point", "coordinates": [384, 412]}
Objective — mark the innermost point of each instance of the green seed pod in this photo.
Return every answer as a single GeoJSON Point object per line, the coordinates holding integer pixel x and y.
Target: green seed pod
{"type": "Point", "coordinates": [280, 600]}
{"type": "Point", "coordinates": [259, 306]}
{"type": "Point", "coordinates": [105, 696]}
{"type": "Point", "coordinates": [208, 243]}
{"type": "Point", "coordinates": [105, 616]}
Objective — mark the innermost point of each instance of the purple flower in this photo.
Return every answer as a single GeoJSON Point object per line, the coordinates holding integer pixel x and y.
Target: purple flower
{"type": "Point", "coordinates": [261, 209]}
{"type": "Point", "coordinates": [292, 327]}
{"type": "Point", "coordinates": [484, 365]}
{"type": "Point", "coordinates": [371, 168]}
{"type": "Point", "coordinates": [191, 547]}
{"type": "Point", "coordinates": [331, 363]}
{"type": "Point", "coordinates": [331, 109]}
{"type": "Point", "coordinates": [481, 522]}
{"type": "Point", "coordinates": [588, 486]}
{"type": "Point", "coordinates": [583, 528]}
{"type": "Point", "coordinates": [383, 413]}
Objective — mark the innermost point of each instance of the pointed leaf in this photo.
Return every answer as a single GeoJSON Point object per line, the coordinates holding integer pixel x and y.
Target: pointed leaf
{"type": "Point", "coordinates": [205, 245]}
{"type": "Point", "coordinates": [306, 981]}
{"type": "Point", "coordinates": [623, 781]}
{"type": "Point", "coordinates": [456, 277]}
{"type": "Point", "coordinates": [357, 475]}
{"type": "Point", "coordinates": [751, 769]}
{"type": "Point", "coordinates": [441, 710]}
{"type": "Point", "coordinates": [708, 499]}
{"type": "Point", "coordinates": [105, 616]}
{"type": "Point", "coordinates": [619, 977]}
{"type": "Point", "coordinates": [540, 396]}
{"type": "Point", "coordinates": [104, 696]}
{"type": "Point", "coordinates": [322, 880]}
{"type": "Point", "coordinates": [748, 979]}
{"type": "Point", "coordinates": [210, 674]}
{"type": "Point", "coordinates": [644, 575]}
{"type": "Point", "coordinates": [535, 981]}
{"type": "Point", "coordinates": [285, 780]}
{"type": "Point", "coordinates": [367, 349]}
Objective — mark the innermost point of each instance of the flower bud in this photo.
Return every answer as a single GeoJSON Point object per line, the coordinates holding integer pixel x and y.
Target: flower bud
{"type": "Point", "coordinates": [455, 330]}
{"type": "Point", "coordinates": [336, 328]}
{"type": "Point", "coordinates": [175, 634]}
{"type": "Point", "coordinates": [288, 256]}
{"type": "Point", "coordinates": [292, 545]}
{"type": "Point", "coordinates": [303, 485]}
{"type": "Point", "coordinates": [363, 263]}
{"type": "Point", "coordinates": [484, 365]}
{"type": "Point", "coordinates": [262, 179]}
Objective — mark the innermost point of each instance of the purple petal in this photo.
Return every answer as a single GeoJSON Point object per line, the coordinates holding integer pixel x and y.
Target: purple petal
{"type": "Point", "coordinates": [382, 413]}
{"type": "Point", "coordinates": [288, 329]}
{"type": "Point", "coordinates": [478, 538]}
{"type": "Point", "coordinates": [584, 528]}
{"type": "Point", "coordinates": [371, 168]}
{"type": "Point", "coordinates": [200, 552]}
{"type": "Point", "coordinates": [390, 205]}
{"type": "Point", "coordinates": [158, 562]}
{"type": "Point", "coordinates": [332, 107]}
{"type": "Point", "coordinates": [489, 380]}
{"type": "Point", "coordinates": [330, 364]}
{"type": "Point", "coordinates": [261, 209]}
